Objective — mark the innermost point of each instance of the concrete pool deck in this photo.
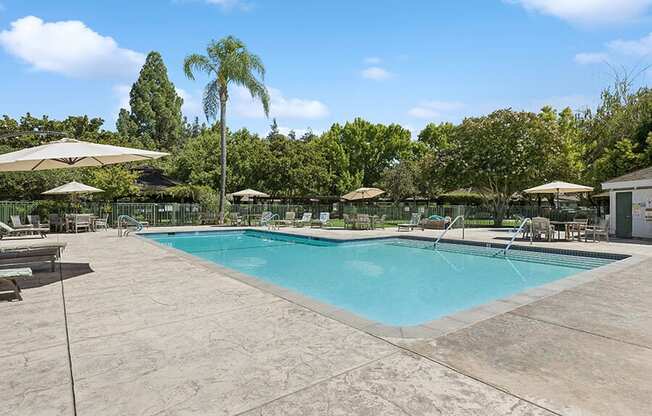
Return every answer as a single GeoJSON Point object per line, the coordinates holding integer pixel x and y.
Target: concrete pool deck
{"type": "Point", "coordinates": [147, 331]}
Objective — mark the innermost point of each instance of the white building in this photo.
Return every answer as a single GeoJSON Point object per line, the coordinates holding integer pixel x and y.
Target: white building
{"type": "Point", "coordinates": [630, 204]}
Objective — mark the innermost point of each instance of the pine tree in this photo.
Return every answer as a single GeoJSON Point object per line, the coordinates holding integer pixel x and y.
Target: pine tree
{"type": "Point", "coordinates": [155, 107]}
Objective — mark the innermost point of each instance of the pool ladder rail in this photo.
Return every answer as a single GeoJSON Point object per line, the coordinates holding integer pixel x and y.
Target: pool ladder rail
{"type": "Point", "coordinates": [518, 230]}
{"type": "Point", "coordinates": [124, 222]}
{"type": "Point", "coordinates": [459, 217]}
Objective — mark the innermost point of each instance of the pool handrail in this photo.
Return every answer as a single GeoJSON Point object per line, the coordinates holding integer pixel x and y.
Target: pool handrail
{"type": "Point", "coordinates": [449, 227]}
{"type": "Point", "coordinates": [124, 220]}
{"type": "Point", "coordinates": [518, 230]}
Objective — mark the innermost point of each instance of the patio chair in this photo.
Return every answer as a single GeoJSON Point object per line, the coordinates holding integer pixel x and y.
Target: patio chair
{"type": "Point", "coordinates": [56, 222]}
{"type": "Point", "coordinates": [414, 222]}
{"type": "Point", "coordinates": [289, 219]}
{"type": "Point", "coordinates": [541, 226]}
{"type": "Point", "coordinates": [323, 220]}
{"type": "Point", "coordinates": [306, 218]}
{"type": "Point", "coordinates": [235, 218]}
{"type": "Point", "coordinates": [363, 222]}
{"type": "Point", "coordinates": [81, 222]}
{"type": "Point", "coordinates": [17, 223]}
{"type": "Point", "coordinates": [579, 226]}
{"type": "Point", "coordinates": [380, 222]}
{"type": "Point", "coordinates": [8, 231]}
{"type": "Point", "coordinates": [101, 223]}
{"type": "Point", "coordinates": [349, 221]}
{"type": "Point", "coordinates": [11, 276]}
{"type": "Point", "coordinates": [599, 229]}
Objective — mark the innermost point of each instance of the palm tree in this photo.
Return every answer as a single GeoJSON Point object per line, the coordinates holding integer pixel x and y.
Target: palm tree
{"type": "Point", "coordinates": [227, 61]}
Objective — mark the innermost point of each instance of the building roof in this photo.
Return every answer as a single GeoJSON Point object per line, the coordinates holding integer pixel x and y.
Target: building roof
{"type": "Point", "coordinates": [637, 175]}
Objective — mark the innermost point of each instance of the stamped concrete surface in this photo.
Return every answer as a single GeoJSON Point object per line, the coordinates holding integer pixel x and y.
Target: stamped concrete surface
{"type": "Point", "coordinates": [156, 333]}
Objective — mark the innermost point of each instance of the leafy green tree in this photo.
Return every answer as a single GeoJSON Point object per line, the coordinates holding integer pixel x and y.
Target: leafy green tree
{"type": "Point", "coordinates": [227, 62]}
{"type": "Point", "coordinates": [400, 181]}
{"type": "Point", "coordinates": [155, 107]}
{"type": "Point", "coordinates": [116, 181]}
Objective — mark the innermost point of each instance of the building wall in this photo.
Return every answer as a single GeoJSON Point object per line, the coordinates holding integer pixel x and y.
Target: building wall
{"type": "Point", "coordinates": [641, 199]}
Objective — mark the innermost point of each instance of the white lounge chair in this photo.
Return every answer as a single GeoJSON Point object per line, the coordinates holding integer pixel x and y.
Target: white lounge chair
{"type": "Point", "coordinates": [8, 231]}
{"type": "Point", "coordinates": [414, 223]}
{"type": "Point", "coordinates": [17, 223]}
{"type": "Point", "coordinates": [324, 219]}
{"type": "Point", "coordinates": [10, 277]}
{"type": "Point", "coordinates": [306, 218]}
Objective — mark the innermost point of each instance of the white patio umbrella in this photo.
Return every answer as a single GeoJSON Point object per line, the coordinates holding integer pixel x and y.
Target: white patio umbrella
{"type": "Point", "coordinates": [363, 193]}
{"type": "Point", "coordinates": [559, 188]}
{"type": "Point", "coordinates": [72, 188]}
{"type": "Point", "coordinates": [71, 153]}
{"type": "Point", "coordinates": [250, 193]}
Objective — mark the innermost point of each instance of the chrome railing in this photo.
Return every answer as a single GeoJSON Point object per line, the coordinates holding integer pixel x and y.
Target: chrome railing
{"type": "Point", "coordinates": [449, 227]}
{"type": "Point", "coordinates": [518, 230]}
{"type": "Point", "coordinates": [124, 221]}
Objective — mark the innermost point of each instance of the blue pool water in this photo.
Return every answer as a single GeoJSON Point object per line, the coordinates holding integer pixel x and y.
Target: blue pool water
{"type": "Point", "coordinates": [395, 282]}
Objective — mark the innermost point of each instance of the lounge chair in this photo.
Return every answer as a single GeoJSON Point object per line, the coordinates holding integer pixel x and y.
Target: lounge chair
{"type": "Point", "coordinates": [289, 219]}
{"type": "Point", "coordinates": [414, 223]}
{"type": "Point", "coordinates": [267, 219]}
{"type": "Point", "coordinates": [17, 223]}
{"type": "Point", "coordinates": [35, 221]}
{"type": "Point", "coordinates": [10, 277]}
{"type": "Point", "coordinates": [24, 254]}
{"type": "Point", "coordinates": [305, 220]}
{"type": "Point", "coordinates": [235, 218]}
{"type": "Point", "coordinates": [324, 219]}
{"type": "Point", "coordinates": [599, 229]}
{"type": "Point", "coordinates": [8, 231]}
{"type": "Point", "coordinates": [541, 226]}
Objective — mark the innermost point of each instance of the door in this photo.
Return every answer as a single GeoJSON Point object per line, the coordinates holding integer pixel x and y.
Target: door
{"type": "Point", "coordinates": [624, 214]}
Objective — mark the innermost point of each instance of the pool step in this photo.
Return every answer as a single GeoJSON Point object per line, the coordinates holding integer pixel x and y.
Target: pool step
{"type": "Point", "coordinates": [583, 262]}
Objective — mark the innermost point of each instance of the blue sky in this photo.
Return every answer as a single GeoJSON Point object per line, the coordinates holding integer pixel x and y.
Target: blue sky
{"type": "Point", "coordinates": [409, 62]}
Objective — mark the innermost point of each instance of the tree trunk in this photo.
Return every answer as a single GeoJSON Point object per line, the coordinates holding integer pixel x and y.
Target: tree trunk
{"type": "Point", "coordinates": [222, 156]}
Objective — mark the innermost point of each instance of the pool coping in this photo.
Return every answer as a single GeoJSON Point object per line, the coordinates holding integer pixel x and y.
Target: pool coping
{"type": "Point", "coordinates": [428, 330]}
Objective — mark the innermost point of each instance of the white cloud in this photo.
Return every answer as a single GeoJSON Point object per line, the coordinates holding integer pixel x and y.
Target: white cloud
{"type": "Point", "coordinates": [230, 4]}
{"type": "Point", "coordinates": [192, 104]}
{"type": "Point", "coordinates": [376, 73]}
{"type": "Point", "coordinates": [588, 11]}
{"type": "Point", "coordinates": [639, 47]}
{"type": "Point", "coordinates": [121, 91]}
{"type": "Point", "coordinates": [587, 58]}
{"type": "Point", "coordinates": [434, 109]}
{"type": "Point", "coordinates": [70, 48]}
{"type": "Point", "coordinates": [372, 60]}
{"type": "Point", "coordinates": [280, 106]}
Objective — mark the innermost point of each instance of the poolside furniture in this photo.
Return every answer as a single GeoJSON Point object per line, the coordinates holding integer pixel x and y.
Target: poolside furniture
{"type": "Point", "coordinates": [379, 222]}
{"type": "Point", "coordinates": [81, 222]}
{"type": "Point", "coordinates": [56, 222]}
{"type": "Point", "coordinates": [10, 277]}
{"type": "Point", "coordinates": [35, 221]}
{"type": "Point", "coordinates": [324, 219]}
{"type": "Point", "coordinates": [414, 223]}
{"type": "Point", "coordinates": [17, 223]}
{"type": "Point", "coordinates": [599, 229]}
{"type": "Point", "coordinates": [306, 218]}
{"type": "Point", "coordinates": [542, 226]}
{"type": "Point", "coordinates": [578, 226]}
{"type": "Point", "coordinates": [101, 223]}
{"type": "Point", "coordinates": [267, 219]}
{"type": "Point", "coordinates": [8, 231]}
{"type": "Point", "coordinates": [235, 218]}
{"type": "Point", "coordinates": [289, 219]}
{"type": "Point", "coordinates": [349, 221]}
{"type": "Point", "coordinates": [24, 254]}
{"type": "Point", "coordinates": [363, 222]}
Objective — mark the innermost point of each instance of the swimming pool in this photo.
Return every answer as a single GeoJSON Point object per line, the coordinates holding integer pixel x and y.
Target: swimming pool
{"type": "Point", "coordinates": [392, 281]}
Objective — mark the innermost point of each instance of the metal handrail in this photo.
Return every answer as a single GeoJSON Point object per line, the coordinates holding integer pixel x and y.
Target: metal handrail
{"type": "Point", "coordinates": [269, 221]}
{"type": "Point", "coordinates": [125, 220]}
{"type": "Point", "coordinates": [518, 230]}
{"type": "Point", "coordinates": [449, 227]}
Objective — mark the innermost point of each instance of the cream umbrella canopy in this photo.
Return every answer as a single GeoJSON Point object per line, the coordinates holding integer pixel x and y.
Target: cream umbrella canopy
{"type": "Point", "coordinates": [71, 153]}
{"type": "Point", "coordinates": [250, 193]}
{"type": "Point", "coordinates": [363, 193]}
{"type": "Point", "coordinates": [559, 188]}
{"type": "Point", "coordinates": [72, 188]}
